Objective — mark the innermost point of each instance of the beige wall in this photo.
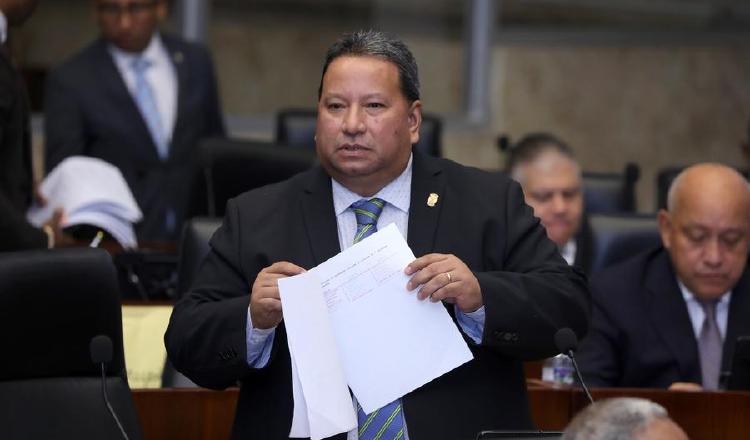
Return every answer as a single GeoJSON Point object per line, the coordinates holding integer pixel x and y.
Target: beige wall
{"type": "Point", "coordinates": [655, 105]}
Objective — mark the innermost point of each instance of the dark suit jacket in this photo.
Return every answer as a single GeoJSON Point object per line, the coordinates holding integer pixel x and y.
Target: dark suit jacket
{"type": "Point", "coordinates": [528, 292]}
{"type": "Point", "coordinates": [89, 111]}
{"type": "Point", "coordinates": [584, 246]}
{"type": "Point", "coordinates": [15, 163]}
{"type": "Point", "coordinates": [641, 334]}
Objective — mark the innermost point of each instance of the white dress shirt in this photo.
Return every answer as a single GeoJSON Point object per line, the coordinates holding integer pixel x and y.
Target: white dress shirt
{"type": "Point", "coordinates": [160, 75]}
{"type": "Point", "coordinates": [568, 251]}
{"type": "Point", "coordinates": [697, 315]}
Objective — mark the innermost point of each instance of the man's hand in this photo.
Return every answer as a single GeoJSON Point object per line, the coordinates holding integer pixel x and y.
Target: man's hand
{"type": "Point", "coordinates": [53, 227]}
{"type": "Point", "coordinates": [445, 278]}
{"type": "Point", "coordinates": [37, 194]}
{"type": "Point", "coordinates": [685, 386]}
{"type": "Point", "coordinates": [265, 303]}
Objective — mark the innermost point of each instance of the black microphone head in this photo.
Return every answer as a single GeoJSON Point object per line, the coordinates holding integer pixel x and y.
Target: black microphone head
{"type": "Point", "coordinates": [100, 349]}
{"type": "Point", "coordinates": [566, 340]}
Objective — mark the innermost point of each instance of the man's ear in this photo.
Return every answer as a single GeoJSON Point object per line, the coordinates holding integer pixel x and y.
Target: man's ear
{"type": "Point", "coordinates": [415, 120]}
{"type": "Point", "coordinates": [664, 219]}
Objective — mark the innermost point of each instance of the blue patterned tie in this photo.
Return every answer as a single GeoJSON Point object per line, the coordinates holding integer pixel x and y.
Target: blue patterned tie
{"type": "Point", "coordinates": [146, 101]}
{"type": "Point", "coordinates": [388, 421]}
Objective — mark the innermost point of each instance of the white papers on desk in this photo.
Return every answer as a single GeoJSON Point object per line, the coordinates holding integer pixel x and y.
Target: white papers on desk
{"type": "Point", "coordinates": [92, 192]}
{"type": "Point", "coordinates": [385, 341]}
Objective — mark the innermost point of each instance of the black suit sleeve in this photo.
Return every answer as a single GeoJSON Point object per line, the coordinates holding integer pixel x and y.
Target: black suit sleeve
{"type": "Point", "coordinates": [536, 292]}
{"type": "Point", "coordinates": [206, 337]}
{"type": "Point", "coordinates": [64, 128]}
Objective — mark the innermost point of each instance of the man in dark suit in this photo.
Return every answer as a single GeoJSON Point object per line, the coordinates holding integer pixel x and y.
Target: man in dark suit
{"type": "Point", "coordinates": [480, 251]}
{"type": "Point", "coordinates": [550, 176]}
{"type": "Point", "coordinates": [16, 181]}
{"type": "Point", "coordinates": [669, 318]}
{"type": "Point", "coordinates": [141, 101]}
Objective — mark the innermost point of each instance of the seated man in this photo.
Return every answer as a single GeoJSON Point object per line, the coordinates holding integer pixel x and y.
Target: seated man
{"type": "Point", "coordinates": [669, 318]}
{"type": "Point", "coordinates": [480, 253]}
{"type": "Point", "coordinates": [623, 418]}
{"type": "Point", "coordinates": [550, 177]}
{"type": "Point", "coordinates": [141, 101]}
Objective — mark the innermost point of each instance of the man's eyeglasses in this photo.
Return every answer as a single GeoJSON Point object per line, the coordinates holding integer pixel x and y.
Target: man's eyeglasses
{"type": "Point", "coordinates": [116, 9]}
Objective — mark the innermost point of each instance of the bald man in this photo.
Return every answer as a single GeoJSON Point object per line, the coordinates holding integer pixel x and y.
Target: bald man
{"type": "Point", "coordinates": [669, 318]}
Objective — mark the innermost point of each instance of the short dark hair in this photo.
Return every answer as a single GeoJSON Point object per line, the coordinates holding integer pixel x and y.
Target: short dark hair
{"type": "Point", "coordinates": [531, 146]}
{"type": "Point", "coordinates": [380, 45]}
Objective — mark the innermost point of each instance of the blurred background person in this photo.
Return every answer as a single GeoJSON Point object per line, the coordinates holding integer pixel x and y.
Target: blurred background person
{"type": "Point", "coordinates": [547, 169]}
{"type": "Point", "coordinates": [623, 418]}
{"type": "Point", "coordinates": [140, 100]}
{"type": "Point", "coordinates": [17, 187]}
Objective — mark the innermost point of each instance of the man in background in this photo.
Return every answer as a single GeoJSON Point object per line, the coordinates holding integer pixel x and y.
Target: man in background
{"type": "Point", "coordinates": [140, 100]}
{"type": "Point", "coordinates": [669, 318]}
{"type": "Point", "coordinates": [550, 176]}
{"type": "Point", "coordinates": [17, 186]}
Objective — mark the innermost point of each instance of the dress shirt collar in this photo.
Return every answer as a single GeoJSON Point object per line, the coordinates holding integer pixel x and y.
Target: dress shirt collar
{"type": "Point", "coordinates": [397, 193]}
{"type": "Point", "coordinates": [568, 251]}
{"type": "Point", "coordinates": [155, 53]}
{"type": "Point", "coordinates": [688, 296]}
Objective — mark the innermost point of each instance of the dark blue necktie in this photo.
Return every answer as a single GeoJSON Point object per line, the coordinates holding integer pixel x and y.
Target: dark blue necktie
{"type": "Point", "coordinates": [388, 421]}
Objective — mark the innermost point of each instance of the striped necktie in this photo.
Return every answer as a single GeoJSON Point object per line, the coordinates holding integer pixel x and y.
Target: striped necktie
{"type": "Point", "coordinates": [146, 101]}
{"type": "Point", "coordinates": [386, 423]}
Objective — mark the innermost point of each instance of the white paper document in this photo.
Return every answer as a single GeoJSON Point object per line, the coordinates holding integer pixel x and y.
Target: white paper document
{"type": "Point", "coordinates": [386, 341]}
{"type": "Point", "coordinates": [92, 192]}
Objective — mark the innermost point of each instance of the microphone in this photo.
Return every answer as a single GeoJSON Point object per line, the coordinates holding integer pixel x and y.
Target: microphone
{"type": "Point", "coordinates": [567, 342]}
{"type": "Point", "coordinates": [101, 353]}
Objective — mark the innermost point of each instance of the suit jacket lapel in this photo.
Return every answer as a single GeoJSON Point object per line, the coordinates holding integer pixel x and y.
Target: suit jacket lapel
{"type": "Point", "coordinates": [669, 315]}
{"type": "Point", "coordinates": [738, 323]}
{"type": "Point", "coordinates": [319, 217]}
{"type": "Point", "coordinates": [115, 87]}
{"type": "Point", "coordinates": [177, 57]}
{"type": "Point", "coordinates": [427, 179]}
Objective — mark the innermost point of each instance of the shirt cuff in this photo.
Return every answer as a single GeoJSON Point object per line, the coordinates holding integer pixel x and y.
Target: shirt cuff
{"type": "Point", "coordinates": [259, 343]}
{"type": "Point", "coordinates": [472, 323]}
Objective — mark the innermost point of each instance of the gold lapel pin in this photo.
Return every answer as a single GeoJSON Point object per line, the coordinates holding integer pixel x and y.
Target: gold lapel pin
{"type": "Point", "coordinates": [178, 57]}
{"type": "Point", "coordinates": [432, 200]}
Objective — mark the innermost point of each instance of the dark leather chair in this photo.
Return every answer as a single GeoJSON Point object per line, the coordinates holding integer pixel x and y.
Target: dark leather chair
{"type": "Point", "coordinates": [225, 168]}
{"type": "Point", "coordinates": [52, 303]}
{"type": "Point", "coordinates": [295, 128]}
{"type": "Point", "coordinates": [196, 233]}
{"type": "Point", "coordinates": [609, 193]}
{"type": "Point", "coordinates": [618, 237]}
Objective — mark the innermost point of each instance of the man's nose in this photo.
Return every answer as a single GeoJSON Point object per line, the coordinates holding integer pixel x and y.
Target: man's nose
{"type": "Point", "coordinates": [559, 205]}
{"type": "Point", "coordinates": [712, 253]}
{"type": "Point", "coordinates": [124, 19]}
{"type": "Point", "coordinates": [353, 122]}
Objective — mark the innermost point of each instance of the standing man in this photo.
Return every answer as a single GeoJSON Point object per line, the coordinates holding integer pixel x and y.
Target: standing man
{"type": "Point", "coordinates": [669, 318]}
{"type": "Point", "coordinates": [550, 176]}
{"type": "Point", "coordinates": [139, 100]}
{"type": "Point", "coordinates": [16, 180]}
{"type": "Point", "coordinates": [489, 263]}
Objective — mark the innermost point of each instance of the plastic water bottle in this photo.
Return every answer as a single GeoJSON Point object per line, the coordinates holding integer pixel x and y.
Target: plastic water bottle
{"type": "Point", "coordinates": [558, 369]}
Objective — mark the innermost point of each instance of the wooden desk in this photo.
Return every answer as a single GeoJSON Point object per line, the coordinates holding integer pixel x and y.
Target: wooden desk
{"type": "Point", "coordinates": [197, 414]}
